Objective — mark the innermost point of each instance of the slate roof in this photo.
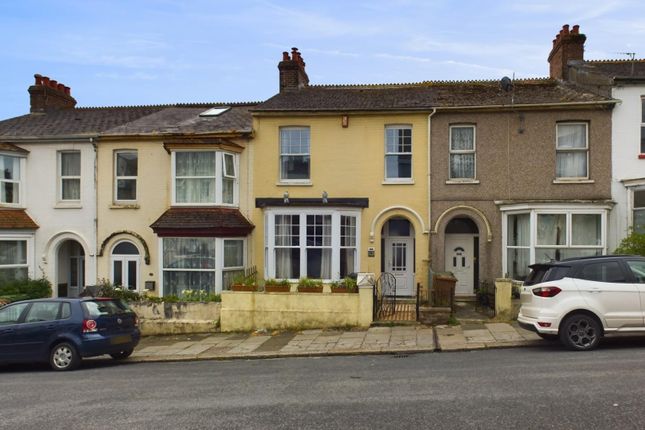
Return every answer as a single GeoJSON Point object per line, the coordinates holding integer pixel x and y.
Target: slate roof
{"type": "Point", "coordinates": [211, 221]}
{"type": "Point", "coordinates": [618, 68]}
{"type": "Point", "coordinates": [425, 95]}
{"type": "Point", "coordinates": [132, 120]}
{"type": "Point", "coordinates": [16, 219]}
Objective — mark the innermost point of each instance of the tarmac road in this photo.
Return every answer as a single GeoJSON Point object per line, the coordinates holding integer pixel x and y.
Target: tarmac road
{"type": "Point", "coordinates": [532, 387]}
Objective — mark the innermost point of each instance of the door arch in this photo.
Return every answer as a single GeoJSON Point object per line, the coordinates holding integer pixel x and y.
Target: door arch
{"type": "Point", "coordinates": [124, 265]}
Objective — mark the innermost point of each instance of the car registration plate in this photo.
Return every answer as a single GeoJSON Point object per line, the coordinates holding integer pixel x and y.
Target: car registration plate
{"type": "Point", "coordinates": [118, 340]}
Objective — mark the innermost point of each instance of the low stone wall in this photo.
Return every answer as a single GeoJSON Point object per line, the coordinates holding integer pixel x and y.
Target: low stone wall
{"type": "Point", "coordinates": [246, 311]}
{"type": "Point", "coordinates": [177, 318]}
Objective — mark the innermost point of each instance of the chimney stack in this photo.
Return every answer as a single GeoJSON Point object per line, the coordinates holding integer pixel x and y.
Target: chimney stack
{"type": "Point", "coordinates": [48, 95]}
{"type": "Point", "coordinates": [568, 45]}
{"type": "Point", "coordinates": [292, 71]}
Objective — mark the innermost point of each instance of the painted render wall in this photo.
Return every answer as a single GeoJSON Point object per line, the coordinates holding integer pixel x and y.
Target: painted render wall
{"type": "Point", "coordinates": [512, 166]}
{"type": "Point", "coordinates": [626, 135]}
{"type": "Point", "coordinates": [348, 162]}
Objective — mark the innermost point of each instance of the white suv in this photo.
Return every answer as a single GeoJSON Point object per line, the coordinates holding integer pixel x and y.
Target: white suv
{"type": "Point", "coordinates": [579, 300]}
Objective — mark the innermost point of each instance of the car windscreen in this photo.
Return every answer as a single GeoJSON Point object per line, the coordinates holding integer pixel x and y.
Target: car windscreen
{"type": "Point", "coordinates": [544, 273]}
{"type": "Point", "coordinates": [98, 308]}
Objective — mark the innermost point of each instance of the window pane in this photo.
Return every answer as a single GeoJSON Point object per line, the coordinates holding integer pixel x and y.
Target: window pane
{"type": "Point", "coordinates": [233, 253]}
{"type": "Point", "coordinates": [11, 314]}
{"type": "Point", "coordinates": [9, 191]}
{"type": "Point", "coordinates": [319, 263]}
{"type": "Point", "coordinates": [571, 165]}
{"type": "Point", "coordinates": [228, 276]}
{"type": "Point", "coordinates": [544, 255]}
{"type": "Point", "coordinates": [195, 190]}
{"type": "Point", "coordinates": [318, 230]}
{"type": "Point", "coordinates": [518, 263]}
{"type": "Point", "coordinates": [347, 230]}
{"type": "Point", "coordinates": [585, 229]}
{"type": "Point", "coordinates": [13, 252]}
{"type": "Point", "coordinates": [518, 230]}
{"type": "Point", "coordinates": [70, 163]}
{"type": "Point", "coordinates": [132, 275]}
{"type": "Point", "coordinates": [398, 227]}
{"type": "Point", "coordinates": [125, 248]}
{"type": "Point", "coordinates": [639, 198]}
{"type": "Point", "coordinates": [188, 253]}
{"type": "Point", "coordinates": [229, 165]}
{"type": "Point", "coordinates": [347, 261]}
{"type": "Point", "coordinates": [639, 221]}
{"type": "Point", "coordinates": [44, 311]}
{"type": "Point", "coordinates": [287, 230]}
{"type": "Point", "coordinates": [287, 263]}
{"type": "Point", "coordinates": [174, 283]}
{"type": "Point", "coordinates": [398, 166]}
{"type": "Point", "coordinates": [117, 267]}
{"type": "Point", "coordinates": [643, 139]}
{"type": "Point", "coordinates": [638, 270]}
{"type": "Point", "coordinates": [228, 185]}
{"type": "Point", "coordinates": [462, 166]}
{"type": "Point", "coordinates": [10, 167]}
{"type": "Point", "coordinates": [462, 138]}
{"type": "Point", "coordinates": [126, 164]}
{"type": "Point", "coordinates": [71, 189]}
{"type": "Point", "coordinates": [126, 189]}
{"type": "Point", "coordinates": [12, 274]}
{"type": "Point", "coordinates": [552, 229]}
{"type": "Point", "coordinates": [295, 166]}
{"type": "Point", "coordinates": [398, 140]}
{"type": "Point", "coordinates": [572, 136]}
{"type": "Point", "coordinates": [194, 164]}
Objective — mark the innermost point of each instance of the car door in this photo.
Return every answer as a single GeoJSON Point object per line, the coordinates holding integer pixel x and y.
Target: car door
{"type": "Point", "coordinates": [637, 269]}
{"type": "Point", "coordinates": [38, 327]}
{"type": "Point", "coordinates": [606, 288]}
{"type": "Point", "coordinates": [10, 317]}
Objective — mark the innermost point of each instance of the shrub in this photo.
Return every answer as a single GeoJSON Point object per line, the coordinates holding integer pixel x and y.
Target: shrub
{"type": "Point", "coordinates": [25, 289]}
{"type": "Point", "coordinates": [633, 244]}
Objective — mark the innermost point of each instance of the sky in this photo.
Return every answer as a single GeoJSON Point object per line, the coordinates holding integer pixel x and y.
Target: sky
{"type": "Point", "coordinates": [143, 52]}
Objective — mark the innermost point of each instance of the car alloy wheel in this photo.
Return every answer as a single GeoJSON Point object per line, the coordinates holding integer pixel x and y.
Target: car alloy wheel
{"type": "Point", "coordinates": [64, 357]}
{"type": "Point", "coordinates": [580, 332]}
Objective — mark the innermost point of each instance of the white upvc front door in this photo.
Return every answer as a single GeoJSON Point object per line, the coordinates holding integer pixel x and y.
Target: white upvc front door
{"type": "Point", "coordinates": [459, 253]}
{"type": "Point", "coordinates": [399, 261]}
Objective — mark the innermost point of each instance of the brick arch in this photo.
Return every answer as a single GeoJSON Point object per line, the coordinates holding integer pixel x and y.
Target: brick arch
{"type": "Point", "coordinates": [146, 251]}
{"type": "Point", "coordinates": [467, 210]}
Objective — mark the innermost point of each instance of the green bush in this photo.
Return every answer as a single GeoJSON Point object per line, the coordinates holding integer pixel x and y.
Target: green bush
{"type": "Point", "coordinates": [25, 289]}
{"type": "Point", "coordinates": [634, 244]}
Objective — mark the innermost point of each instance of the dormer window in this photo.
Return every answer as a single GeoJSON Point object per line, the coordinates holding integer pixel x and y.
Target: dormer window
{"type": "Point", "coordinates": [203, 178]}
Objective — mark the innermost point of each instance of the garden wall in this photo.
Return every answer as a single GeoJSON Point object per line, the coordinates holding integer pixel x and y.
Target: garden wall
{"type": "Point", "coordinates": [177, 318]}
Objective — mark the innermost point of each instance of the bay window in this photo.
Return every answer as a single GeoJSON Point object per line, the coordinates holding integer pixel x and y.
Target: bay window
{"type": "Point", "coordinates": [314, 243]}
{"type": "Point", "coordinates": [205, 178]}
{"type": "Point", "coordinates": [13, 259]}
{"type": "Point", "coordinates": [537, 235]}
{"type": "Point", "coordinates": [200, 263]}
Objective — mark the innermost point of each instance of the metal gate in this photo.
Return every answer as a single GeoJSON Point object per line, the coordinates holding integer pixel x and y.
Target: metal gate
{"type": "Point", "coordinates": [384, 296]}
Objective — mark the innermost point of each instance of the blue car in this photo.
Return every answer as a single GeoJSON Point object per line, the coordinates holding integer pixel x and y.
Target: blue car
{"type": "Point", "coordinates": [63, 331]}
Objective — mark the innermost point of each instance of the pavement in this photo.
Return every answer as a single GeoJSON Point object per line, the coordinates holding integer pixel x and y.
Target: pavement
{"type": "Point", "coordinates": [476, 330]}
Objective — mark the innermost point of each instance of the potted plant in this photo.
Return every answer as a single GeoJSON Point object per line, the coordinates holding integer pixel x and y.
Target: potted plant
{"type": "Point", "coordinates": [277, 286]}
{"type": "Point", "coordinates": [244, 282]}
{"type": "Point", "coordinates": [307, 285]}
{"type": "Point", "coordinates": [347, 285]}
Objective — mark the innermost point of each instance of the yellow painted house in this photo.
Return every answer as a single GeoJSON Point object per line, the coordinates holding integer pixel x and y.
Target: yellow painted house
{"type": "Point", "coordinates": [172, 202]}
{"type": "Point", "coordinates": [340, 179]}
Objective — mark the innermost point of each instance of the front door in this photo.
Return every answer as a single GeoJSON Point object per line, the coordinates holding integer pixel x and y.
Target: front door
{"type": "Point", "coordinates": [459, 253]}
{"type": "Point", "coordinates": [399, 261]}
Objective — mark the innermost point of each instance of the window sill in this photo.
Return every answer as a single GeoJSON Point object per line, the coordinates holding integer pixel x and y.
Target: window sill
{"type": "Point", "coordinates": [125, 206]}
{"type": "Point", "coordinates": [641, 156]}
{"type": "Point", "coordinates": [68, 206]}
{"type": "Point", "coordinates": [400, 182]}
{"type": "Point", "coordinates": [462, 182]}
{"type": "Point", "coordinates": [295, 184]}
{"type": "Point", "coordinates": [573, 181]}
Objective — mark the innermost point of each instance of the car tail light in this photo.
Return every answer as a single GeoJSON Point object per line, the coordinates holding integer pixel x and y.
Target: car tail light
{"type": "Point", "coordinates": [546, 291]}
{"type": "Point", "coordinates": [89, 326]}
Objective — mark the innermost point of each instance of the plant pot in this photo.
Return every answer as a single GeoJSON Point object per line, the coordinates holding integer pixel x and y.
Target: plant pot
{"type": "Point", "coordinates": [316, 289]}
{"type": "Point", "coordinates": [240, 287]}
{"type": "Point", "coordinates": [343, 290]}
{"type": "Point", "coordinates": [277, 288]}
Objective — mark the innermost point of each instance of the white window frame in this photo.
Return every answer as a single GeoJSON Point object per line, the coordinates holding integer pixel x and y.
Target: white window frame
{"type": "Point", "coordinates": [462, 152]}
{"type": "Point", "coordinates": [117, 177]}
{"type": "Point", "coordinates": [536, 210]}
{"type": "Point", "coordinates": [269, 245]}
{"type": "Point", "coordinates": [397, 179]}
{"type": "Point", "coordinates": [61, 177]}
{"type": "Point", "coordinates": [219, 261]}
{"type": "Point", "coordinates": [642, 135]}
{"type": "Point", "coordinates": [282, 174]}
{"type": "Point", "coordinates": [219, 175]}
{"type": "Point", "coordinates": [20, 181]}
{"type": "Point", "coordinates": [125, 258]}
{"type": "Point", "coordinates": [571, 150]}
{"type": "Point", "coordinates": [29, 239]}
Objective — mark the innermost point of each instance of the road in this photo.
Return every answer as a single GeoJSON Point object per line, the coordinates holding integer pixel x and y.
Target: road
{"type": "Point", "coordinates": [534, 388]}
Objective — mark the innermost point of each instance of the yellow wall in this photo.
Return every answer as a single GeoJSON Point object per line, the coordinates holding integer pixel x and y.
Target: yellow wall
{"type": "Point", "coordinates": [348, 162]}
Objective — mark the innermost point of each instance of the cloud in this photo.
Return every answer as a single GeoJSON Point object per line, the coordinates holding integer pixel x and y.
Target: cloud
{"type": "Point", "coordinates": [137, 76]}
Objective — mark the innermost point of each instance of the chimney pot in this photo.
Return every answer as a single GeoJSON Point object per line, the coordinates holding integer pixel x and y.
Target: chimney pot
{"type": "Point", "coordinates": [46, 81]}
{"type": "Point", "coordinates": [575, 29]}
{"type": "Point", "coordinates": [285, 56]}
{"type": "Point", "coordinates": [61, 87]}
{"type": "Point", "coordinates": [39, 79]}
{"type": "Point", "coordinates": [68, 91]}
{"type": "Point", "coordinates": [49, 95]}
{"type": "Point", "coordinates": [53, 83]}
{"type": "Point", "coordinates": [565, 28]}
{"type": "Point", "coordinates": [568, 46]}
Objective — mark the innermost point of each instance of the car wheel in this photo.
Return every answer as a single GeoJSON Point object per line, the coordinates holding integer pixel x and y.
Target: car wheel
{"type": "Point", "coordinates": [549, 337]}
{"type": "Point", "coordinates": [122, 354]}
{"type": "Point", "coordinates": [63, 356]}
{"type": "Point", "coordinates": [580, 332]}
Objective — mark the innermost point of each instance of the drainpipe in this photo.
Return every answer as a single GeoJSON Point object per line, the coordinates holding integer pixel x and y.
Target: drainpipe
{"type": "Point", "coordinates": [96, 214]}
{"type": "Point", "coordinates": [429, 284]}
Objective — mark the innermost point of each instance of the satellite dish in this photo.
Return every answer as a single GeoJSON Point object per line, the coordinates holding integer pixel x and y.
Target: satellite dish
{"type": "Point", "coordinates": [506, 83]}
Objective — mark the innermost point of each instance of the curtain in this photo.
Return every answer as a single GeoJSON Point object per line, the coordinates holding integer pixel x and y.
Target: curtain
{"type": "Point", "coordinates": [552, 229]}
{"type": "Point", "coordinates": [571, 164]}
{"type": "Point", "coordinates": [518, 230]}
{"type": "Point", "coordinates": [10, 167]}
{"type": "Point", "coordinates": [585, 229]}
{"type": "Point", "coordinates": [285, 227]}
{"type": "Point", "coordinates": [70, 163]}
{"type": "Point", "coordinates": [462, 139]}
{"type": "Point", "coordinates": [462, 166]}
{"type": "Point", "coordinates": [13, 252]}
{"type": "Point", "coordinates": [233, 253]}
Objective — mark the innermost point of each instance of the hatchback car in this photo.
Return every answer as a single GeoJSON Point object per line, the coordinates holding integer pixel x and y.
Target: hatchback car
{"type": "Point", "coordinates": [578, 300]}
{"type": "Point", "coordinates": [63, 331]}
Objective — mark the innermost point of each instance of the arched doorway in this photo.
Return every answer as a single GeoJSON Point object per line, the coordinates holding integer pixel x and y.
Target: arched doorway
{"type": "Point", "coordinates": [124, 265]}
{"type": "Point", "coordinates": [461, 247]}
{"type": "Point", "coordinates": [70, 268]}
{"type": "Point", "coordinates": [398, 254]}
